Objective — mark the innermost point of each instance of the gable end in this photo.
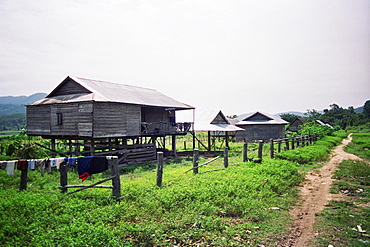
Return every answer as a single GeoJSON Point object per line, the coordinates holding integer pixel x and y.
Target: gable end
{"type": "Point", "coordinates": [68, 86]}
{"type": "Point", "coordinates": [258, 117]}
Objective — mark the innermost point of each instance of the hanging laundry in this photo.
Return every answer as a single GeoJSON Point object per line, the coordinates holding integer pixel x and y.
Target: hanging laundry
{"type": "Point", "coordinates": [98, 165]}
{"type": "Point", "coordinates": [31, 164]}
{"type": "Point", "coordinates": [3, 165]}
{"type": "Point", "coordinates": [22, 165]}
{"type": "Point", "coordinates": [71, 161]}
{"type": "Point", "coordinates": [40, 164]}
{"type": "Point", "coordinates": [58, 161]}
{"type": "Point", "coordinates": [48, 166]}
{"type": "Point", "coordinates": [10, 166]}
{"type": "Point", "coordinates": [84, 167]}
{"type": "Point", "coordinates": [53, 162]}
{"type": "Point", "coordinates": [91, 165]}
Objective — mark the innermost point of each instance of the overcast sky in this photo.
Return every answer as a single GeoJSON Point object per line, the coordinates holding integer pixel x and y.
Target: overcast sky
{"type": "Point", "coordinates": [237, 56]}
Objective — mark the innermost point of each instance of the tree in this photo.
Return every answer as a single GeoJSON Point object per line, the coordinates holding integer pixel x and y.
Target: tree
{"type": "Point", "coordinates": [312, 115]}
{"type": "Point", "coordinates": [366, 111]}
{"type": "Point", "coordinates": [288, 117]}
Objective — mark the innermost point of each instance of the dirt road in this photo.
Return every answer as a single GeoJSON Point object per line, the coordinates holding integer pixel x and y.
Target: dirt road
{"type": "Point", "coordinates": [314, 195]}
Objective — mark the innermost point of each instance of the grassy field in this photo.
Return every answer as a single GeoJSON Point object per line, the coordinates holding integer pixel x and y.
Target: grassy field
{"type": "Point", "coordinates": [245, 204]}
{"type": "Point", "coordinates": [340, 224]}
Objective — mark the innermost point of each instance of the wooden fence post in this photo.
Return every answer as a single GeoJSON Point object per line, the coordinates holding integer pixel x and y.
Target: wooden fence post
{"type": "Point", "coordinates": [293, 139]}
{"type": "Point", "coordinates": [271, 148]}
{"type": "Point", "coordinates": [226, 157]}
{"type": "Point", "coordinates": [63, 177]}
{"type": "Point", "coordinates": [195, 160]}
{"type": "Point", "coordinates": [245, 152]}
{"type": "Point", "coordinates": [23, 184]}
{"type": "Point", "coordinates": [297, 141]}
{"type": "Point", "coordinates": [286, 143]}
{"type": "Point", "coordinates": [116, 181]}
{"type": "Point", "coordinates": [260, 146]}
{"type": "Point", "coordinates": [160, 168]}
{"type": "Point", "coordinates": [279, 145]}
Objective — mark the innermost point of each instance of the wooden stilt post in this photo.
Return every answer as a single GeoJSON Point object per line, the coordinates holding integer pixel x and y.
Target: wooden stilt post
{"type": "Point", "coordinates": [260, 146]}
{"type": "Point", "coordinates": [226, 157]}
{"type": "Point", "coordinates": [245, 152]}
{"type": "Point", "coordinates": [193, 140]}
{"type": "Point", "coordinates": [53, 147]}
{"type": "Point", "coordinates": [209, 140]}
{"type": "Point", "coordinates": [227, 139]}
{"type": "Point", "coordinates": [195, 160]}
{"type": "Point", "coordinates": [159, 168]}
{"type": "Point", "coordinates": [174, 145]}
{"type": "Point", "coordinates": [271, 148]}
{"type": "Point", "coordinates": [293, 139]}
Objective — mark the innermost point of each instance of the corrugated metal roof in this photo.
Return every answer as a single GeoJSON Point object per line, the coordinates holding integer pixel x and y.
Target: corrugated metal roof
{"type": "Point", "coordinates": [203, 121]}
{"type": "Point", "coordinates": [102, 91]}
{"type": "Point", "coordinates": [243, 119]}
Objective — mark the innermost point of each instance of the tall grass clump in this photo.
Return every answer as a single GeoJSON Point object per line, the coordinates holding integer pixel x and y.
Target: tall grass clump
{"type": "Point", "coordinates": [319, 151]}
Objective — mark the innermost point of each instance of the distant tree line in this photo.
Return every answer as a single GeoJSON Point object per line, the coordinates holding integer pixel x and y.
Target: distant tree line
{"type": "Point", "coordinates": [12, 122]}
{"type": "Point", "coordinates": [8, 109]}
{"type": "Point", "coordinates": [336, 116]}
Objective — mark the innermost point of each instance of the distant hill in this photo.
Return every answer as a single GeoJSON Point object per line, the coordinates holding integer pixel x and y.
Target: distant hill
{"type": "Point", "coordinates": [16, 104]}
{"type": "Point", "coordinates": [359, 109]}
{"type": "Point", "coordinates": [21, 100]}
{"type": "Point", "coordinates": [301, 114]}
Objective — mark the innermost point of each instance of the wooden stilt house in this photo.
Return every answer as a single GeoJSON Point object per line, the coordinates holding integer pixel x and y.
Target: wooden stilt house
{"type": "Point", "coordinates": [102, 118]}
{"type": "Point", "coordinates": [215, 124]}
{"type": "Point", "coordinates": [260, 126]}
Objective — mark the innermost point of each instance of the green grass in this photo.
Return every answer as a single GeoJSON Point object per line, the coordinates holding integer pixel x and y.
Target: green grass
{"type": "Point", "coordinates": [245, 204]}
{"type": "Point", "coordinates": [228, 204]}
{"type": "Point", "coordinates": [337, 224]}
{"type": "Point", "coordinates": [360, 145]}
{"type": "Point", "coordinates": [311, 154]}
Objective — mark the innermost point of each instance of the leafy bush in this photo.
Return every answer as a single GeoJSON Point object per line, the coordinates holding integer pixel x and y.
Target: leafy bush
{"type": "Point", "coordinates": [319, 151]}
{"type": "Point", "coordinates": [311, 128]}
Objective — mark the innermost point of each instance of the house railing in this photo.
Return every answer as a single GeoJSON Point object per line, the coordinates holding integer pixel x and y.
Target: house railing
{"type": "Point", "coordinates": [159, 128]}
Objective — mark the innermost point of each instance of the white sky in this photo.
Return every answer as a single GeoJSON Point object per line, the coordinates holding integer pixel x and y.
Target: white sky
{"type": "Point", "coordinates": [237, 56]}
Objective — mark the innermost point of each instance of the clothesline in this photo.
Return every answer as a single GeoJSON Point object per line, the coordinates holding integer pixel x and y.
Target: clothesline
{"type": "Point", "coordinates": [86, 165]}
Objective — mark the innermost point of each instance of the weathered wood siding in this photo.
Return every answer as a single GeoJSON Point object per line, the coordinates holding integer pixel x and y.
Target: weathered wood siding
{"type": "Point", "coordinates": [76, 119]}
{"type": "Point", "coordinates": [69, 87]}
{"type": "Point", "coordinates": [38, 120]}
{"type": "Point", "coordinates": [219, 120]}
{"type": "Point", "coordinates": [116, 120]}
{"type": "Point", "coordinates": [260, 132]}
{"type": "Point", "coordinates": [258, 117]}
{"type": "Point", "coordinates": [294, 126]}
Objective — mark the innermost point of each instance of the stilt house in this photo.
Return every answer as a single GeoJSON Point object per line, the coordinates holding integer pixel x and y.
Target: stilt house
{"type": "Point", "coordinates": [100, 118]}
{"type": "Point", "coordinates": [215, 123]}
{"type": "Point", "coordinates": [296, 123]}
{"type": "Point", "coordinates": [260, 126]}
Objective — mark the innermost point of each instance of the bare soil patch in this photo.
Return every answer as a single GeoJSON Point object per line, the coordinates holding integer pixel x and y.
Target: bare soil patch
{"type": "Point", "coordinates": [314, 195]}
